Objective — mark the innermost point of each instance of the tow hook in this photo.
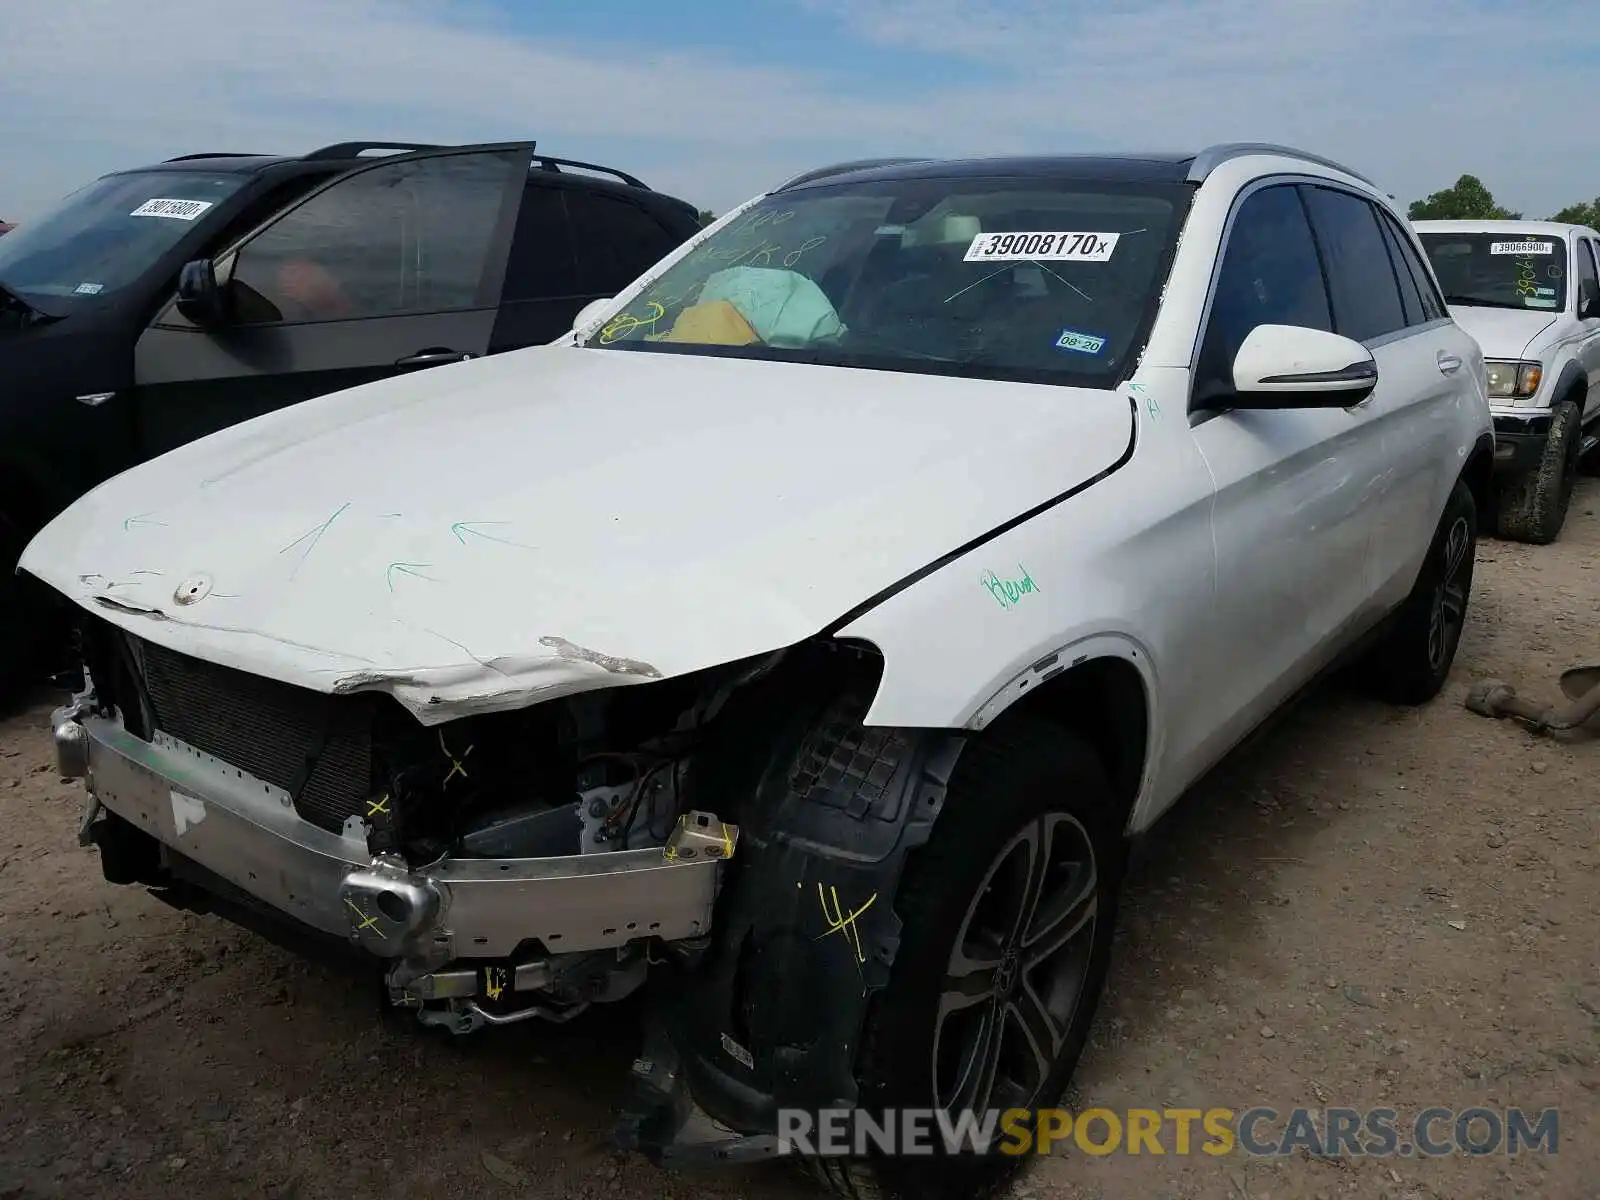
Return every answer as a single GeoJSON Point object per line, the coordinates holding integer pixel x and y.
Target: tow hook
{"type": "Point", "coordinates": [71, 741]}
{"type": "Point", "coordinates": [388, 907]}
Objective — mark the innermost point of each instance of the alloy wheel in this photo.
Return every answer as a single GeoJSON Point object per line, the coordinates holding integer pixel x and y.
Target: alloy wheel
{"type": "Point", "coordinates": [1450, 595]}
{"type": "Point", "coordinates": [1015, 977]}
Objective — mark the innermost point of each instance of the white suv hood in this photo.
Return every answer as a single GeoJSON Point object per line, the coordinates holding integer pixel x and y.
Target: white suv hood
{"type": "Point", "coordinates": [1502, 332]}
{"type": "Point", "coordinates": [485, 535]}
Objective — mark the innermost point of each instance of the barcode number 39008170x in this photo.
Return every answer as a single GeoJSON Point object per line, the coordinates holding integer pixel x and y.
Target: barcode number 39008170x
{"type": "Point", "coordinates": [1052, 247]}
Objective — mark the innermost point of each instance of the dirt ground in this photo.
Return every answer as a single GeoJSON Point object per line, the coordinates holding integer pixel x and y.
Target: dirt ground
{"type": "Point", "coordinates": [1367, 908]}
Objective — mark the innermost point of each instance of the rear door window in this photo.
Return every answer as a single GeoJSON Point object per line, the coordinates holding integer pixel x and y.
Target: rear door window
{"type": "Point", "coordinates": [1411, 262]}
{"type": "Point", "coordinates": [1410, 297]}
{"type": "Point", "coordinates": [543, 264]}
{"type": "Point", "coordinates": [617, 241]}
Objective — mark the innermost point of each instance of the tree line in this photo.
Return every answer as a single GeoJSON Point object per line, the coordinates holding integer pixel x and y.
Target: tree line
{"type": "Point", "coordinates": [1469, 200]}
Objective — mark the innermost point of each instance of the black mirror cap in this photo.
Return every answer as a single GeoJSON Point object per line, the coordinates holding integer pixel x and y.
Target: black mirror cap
{"type": "Point", "coordinates": [1334, 389]}
{"type": "Point", "coordinates": [201, 298]}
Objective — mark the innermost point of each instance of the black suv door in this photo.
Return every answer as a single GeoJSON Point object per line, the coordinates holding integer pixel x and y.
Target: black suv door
{"type": "Point", "coordinates": [391, 267]}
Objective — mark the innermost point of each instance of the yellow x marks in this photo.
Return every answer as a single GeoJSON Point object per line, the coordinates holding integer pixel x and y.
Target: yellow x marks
{"type": "Point", "coordinates": [841, 922]}
{"type": "Point", "coordinates": [366, 921]}
{"type": "Point", "coordinates": [455, 763]}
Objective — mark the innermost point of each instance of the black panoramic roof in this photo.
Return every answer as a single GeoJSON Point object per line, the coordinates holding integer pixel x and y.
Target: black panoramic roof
{"type": "Point", "coordinates": [1155, 168]}
{"type": "Point", "coordinates": [1129, 168]}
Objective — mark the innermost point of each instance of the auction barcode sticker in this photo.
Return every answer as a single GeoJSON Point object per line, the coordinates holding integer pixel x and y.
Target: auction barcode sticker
{"type": "Point", "coordinates": [177, 210]}
{"type": "Point", "coordinates": [1522, 247]}
{"type": "Point", "coordinates": [1047, 247]}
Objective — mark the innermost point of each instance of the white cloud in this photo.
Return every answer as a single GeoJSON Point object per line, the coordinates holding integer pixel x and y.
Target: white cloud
{"type": "Point", "coordinates": [1413, 94]}
{"type": "Point", "coordinates": [202, 74]}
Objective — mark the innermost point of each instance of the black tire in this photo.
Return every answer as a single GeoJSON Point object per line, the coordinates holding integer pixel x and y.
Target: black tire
{"type": "Point", "coordinates": [1411, 663]}
{"type": "Point", "coordinates": [1533, 507]}
{"type": "Point", "coordinates": [1029, 780]}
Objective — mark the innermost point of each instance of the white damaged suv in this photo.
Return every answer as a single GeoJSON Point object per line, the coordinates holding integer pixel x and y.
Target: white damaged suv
{"type": "Point", "coordinates": [1529, 292]}
{"type": "Point", "coordinates": [806, 635]}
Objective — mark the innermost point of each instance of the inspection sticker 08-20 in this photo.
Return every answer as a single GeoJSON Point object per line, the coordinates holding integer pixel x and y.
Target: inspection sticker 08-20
{"type": "Point", "coordinates": [1048, 247]}
{"type": "Point", "coordinates": [1083, 343]}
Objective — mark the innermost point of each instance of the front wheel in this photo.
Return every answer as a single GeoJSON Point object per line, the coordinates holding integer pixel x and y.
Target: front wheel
{"type": "Point", "coordinates": [1008, 914]}
{"type": "Point", "coordinates": [1533, 507]}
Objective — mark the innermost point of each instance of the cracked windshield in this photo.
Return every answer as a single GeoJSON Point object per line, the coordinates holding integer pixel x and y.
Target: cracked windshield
{"type": "Point", "coordinates": [1499, 270]}
{"type": "Point", "coordinates": [1001, 279]}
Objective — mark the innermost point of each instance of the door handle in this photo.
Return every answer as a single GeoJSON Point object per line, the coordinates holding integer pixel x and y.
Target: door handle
{"type": "Point", "coordinates": [431, 358]}
{"type": "Point", "coordinates": [1449, 363]}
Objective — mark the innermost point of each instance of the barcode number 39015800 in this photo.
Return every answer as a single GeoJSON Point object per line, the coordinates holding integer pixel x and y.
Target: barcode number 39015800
{"type": "Point", "coordinates": [1054, 247]}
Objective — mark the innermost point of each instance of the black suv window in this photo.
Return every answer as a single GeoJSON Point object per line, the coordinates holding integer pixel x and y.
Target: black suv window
{"type": "Point", "coordinates": [617, 240]}
{"type": "Point", "coordinates": [405, 237]}
{"type": "Point", "coordinates": [542, 264]}
{"type": "Point", "coordinates": [1269, 276]}
{"type": "Point", "coordinates": [1361, 279]}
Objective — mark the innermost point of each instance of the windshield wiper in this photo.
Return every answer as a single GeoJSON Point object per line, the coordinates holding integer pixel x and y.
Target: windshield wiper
{"type": "Point", "coordinates": [1484, 302]}
{"type": "Point", "coordinates": [30, 312]}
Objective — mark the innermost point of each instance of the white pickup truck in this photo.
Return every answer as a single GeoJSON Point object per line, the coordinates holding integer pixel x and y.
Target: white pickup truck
{"type": "Point", "coordinates": [807, 633]}
{"type": "Point", "coordinates": [1529, 292]}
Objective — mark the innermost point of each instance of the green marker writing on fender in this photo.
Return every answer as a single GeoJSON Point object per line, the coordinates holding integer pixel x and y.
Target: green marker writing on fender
{"type": "Point", "coordinates": [1007, 592]}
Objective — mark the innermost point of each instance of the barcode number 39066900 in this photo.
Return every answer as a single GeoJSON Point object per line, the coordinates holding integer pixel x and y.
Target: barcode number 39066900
{"type": "Point", "coordinates": [1054, 247]}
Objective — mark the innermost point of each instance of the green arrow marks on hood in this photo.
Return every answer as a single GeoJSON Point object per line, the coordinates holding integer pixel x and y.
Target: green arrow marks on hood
{"type": "Point", "coordinates": [466, 529]}
{"type": "Point", "coordinates": [405, 568]}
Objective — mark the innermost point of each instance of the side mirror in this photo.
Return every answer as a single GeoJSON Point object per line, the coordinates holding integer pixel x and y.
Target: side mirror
{"type": "Point", "coordinates": [1288, 366]}
{"type": "Point", "coordinates": [590, 311]}
{"type": "Point", "coordinates": [1588, 306]}
{"type": "Point", "coordinates": [201, 298]}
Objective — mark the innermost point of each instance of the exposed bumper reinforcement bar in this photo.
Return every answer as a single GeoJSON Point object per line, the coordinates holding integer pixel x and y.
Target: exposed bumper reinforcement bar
{"type": "Point", "coordinates": [247, 832]}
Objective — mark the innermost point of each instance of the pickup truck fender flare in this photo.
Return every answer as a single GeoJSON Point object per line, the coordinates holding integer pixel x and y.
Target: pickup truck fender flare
{"type": "Point", "coordinates": [1570, 378]}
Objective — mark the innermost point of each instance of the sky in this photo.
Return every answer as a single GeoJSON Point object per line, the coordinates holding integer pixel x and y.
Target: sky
{"type": "Point", "coordinates": [714, 100]}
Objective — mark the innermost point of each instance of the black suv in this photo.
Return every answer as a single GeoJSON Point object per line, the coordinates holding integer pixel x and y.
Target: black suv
{"type": "Point", "coordinates": [158, 305]}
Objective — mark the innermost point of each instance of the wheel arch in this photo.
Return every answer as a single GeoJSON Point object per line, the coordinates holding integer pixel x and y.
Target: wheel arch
{"type": "Point", "coordinates": [1478, 474]}
{"type": "Point", "coordinates": [1103, 689]}
{"type": "Point", "coordinates": [1572, 383]}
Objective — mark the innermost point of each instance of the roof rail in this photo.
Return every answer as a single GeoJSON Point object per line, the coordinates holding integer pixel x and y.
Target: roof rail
{"type": "Point", "coordinates": [541, 162]}
{"type": "Point", "coordinates": [356, 149]}
{"type": "Point", "coordinates": [211, 154]}
{"type": "Point", "coordinates": [859, 164]}
{"type": "Point", "coordinates": [1212, 157]}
